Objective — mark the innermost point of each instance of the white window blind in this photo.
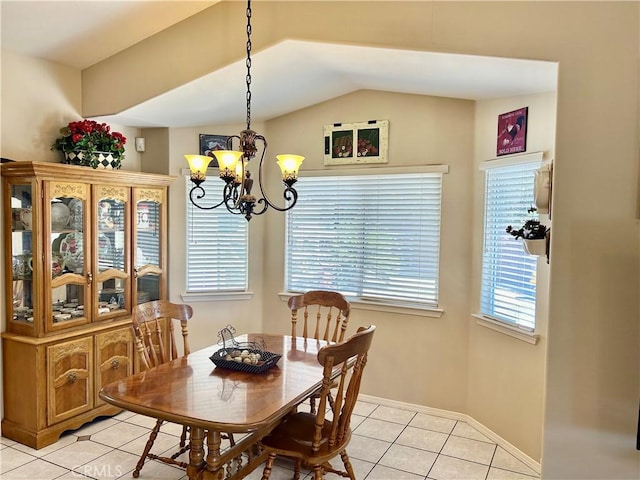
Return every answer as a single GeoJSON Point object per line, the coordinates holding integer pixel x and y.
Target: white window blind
{"type": "Point", "coordinates": [372, 237]}
{"type": "Point", "coordinates": [217, 244]}
{"type": "Point", "coordinates": [508, 290]}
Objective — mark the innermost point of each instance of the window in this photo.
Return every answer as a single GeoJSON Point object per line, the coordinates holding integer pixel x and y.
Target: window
{"type": "Point", "coordinates": [217, 244]}
{"type": "Point", "coordinates": [508, 290]}
{"type": "Point", "coordinates": [372, 237]}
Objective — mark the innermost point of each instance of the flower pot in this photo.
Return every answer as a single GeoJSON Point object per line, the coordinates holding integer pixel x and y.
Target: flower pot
{"type": "Point", "coordinates": [536, 246]}
{"type": "Point", "coordinates": [79, 157]}
{"type": "Point", "coordinates": [107, 160]}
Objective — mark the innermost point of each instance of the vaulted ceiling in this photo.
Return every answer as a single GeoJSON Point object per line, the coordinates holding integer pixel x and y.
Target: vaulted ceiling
{"type": "Point", "coordinates": [82, 33]}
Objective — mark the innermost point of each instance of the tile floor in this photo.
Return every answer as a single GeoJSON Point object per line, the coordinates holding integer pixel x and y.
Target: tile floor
{"type": "Point", "coordinates": [387, 443]}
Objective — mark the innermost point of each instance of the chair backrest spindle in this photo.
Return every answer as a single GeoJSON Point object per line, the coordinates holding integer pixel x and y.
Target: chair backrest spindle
{"type": "Point", "coordinates": [331, 311]}
{"type": "Point", "coordinates": [153, 346]}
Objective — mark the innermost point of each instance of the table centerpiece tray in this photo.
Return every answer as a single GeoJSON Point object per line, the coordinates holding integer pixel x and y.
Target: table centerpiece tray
{"type": "Point", "coordinates": [249, 357]}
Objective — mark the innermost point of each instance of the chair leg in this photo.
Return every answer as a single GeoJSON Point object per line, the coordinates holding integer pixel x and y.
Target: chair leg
{"type": "Point", "coordinates": [147, 447]}
{"type": "Point", "coordinates": [297, 468]}
{"type": "Point", "coordinates": [317, 472]}
{"type": "Point", "coordinates": [229, 436]}
{"type": "Point", "coordinates": [267, 466]}
{"type": "Point", "coordinates": [330, 398]}
{"type": "Point", "coordinates": [312, 402]}
{"type": "Point", "coordinates": [183, 436]}
{"type": "Point", "coordinates": [347, 464]}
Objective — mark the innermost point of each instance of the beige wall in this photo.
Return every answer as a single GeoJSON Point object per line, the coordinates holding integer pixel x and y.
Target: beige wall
{"type": "Point", "coordinates": [592, 376]}
{"type": "Point", "coordinates": [422, 130]}
{"type": "Point", "coordinates": [506, 375]}
{"type": "Point", "coordinates": [39, 98]}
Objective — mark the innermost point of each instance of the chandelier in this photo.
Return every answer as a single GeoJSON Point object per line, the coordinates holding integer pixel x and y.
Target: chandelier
{"type": "Point", "coordinates": [237, 197]}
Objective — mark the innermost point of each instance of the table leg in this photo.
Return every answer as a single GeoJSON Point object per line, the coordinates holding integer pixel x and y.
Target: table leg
{"type": "Point", "coordinates": [196, 454]}
{"type": "Point", "coordinates": [214, 470]}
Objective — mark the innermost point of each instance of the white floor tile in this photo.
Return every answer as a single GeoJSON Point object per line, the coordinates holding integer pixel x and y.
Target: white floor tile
{"type": "Point", "coordinates": [423, 439]}
{"type": "Point", "coordinates": [391, 414]}
{"type": "Point", "coordinates": [119, 434]}
{"type": "Point", "coordinates": [468, 449]}
{"type": "Point", "coordinates": [379, 429]}
{"type": "Point", "coordinates": [109, 466]}
{"type": "Point", "coordinates": [504, 460]}
{"type": "Point", "coordinates": [77, 454]}
{"type": "Point", "coordinates": [380, 472]}
{"type": "Point", "coordinates": [388, 443]}
{"type": "Point", "coordinates": [360, 467]}
{"type": "Point", "coordinates": [431, 422]}
{"type": "Point", "coordinates": [142, 420]}
{"type": "Point", "coordinates": [499, 474]}
{"type": "Point", "coordinates": [448, 468]}
{"type": "Point", "coordinates": [123, 415]}
{"type": "Point", "coordinates": [463, 429]}
{"type": "Point", "coordinates": [36, 470]}
{"type": "Point", "coordinates": [95, 426]}
{"type": "Point", "coordinates": [11, 458]}
{"type": "Point", "coordinates": [62, 442]}
{"type": "Point", "coordinates": [367, 449]}
{"type": "Point", "coordinates": [364, 409]}
{"type": "Point", "coordinates": [153, 470]}
{"type": "Point", "coordinates": [5, 442]}
{"type": "Point", "coordinates": [356, 420]}
{"type": "Point", "coordinates": [408, 459]}
{"type": "Point", "coordinates": [162, 443]}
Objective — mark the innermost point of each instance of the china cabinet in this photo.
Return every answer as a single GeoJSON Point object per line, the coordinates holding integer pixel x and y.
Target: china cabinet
{"type": "Point", "coordinates": [81, 247]}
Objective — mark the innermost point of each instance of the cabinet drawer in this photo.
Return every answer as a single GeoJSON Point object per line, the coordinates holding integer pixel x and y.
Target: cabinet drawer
{"type": "Point", "coordinates": [114, 354]}
{"type": "Point", "coordinates": [69, 379]}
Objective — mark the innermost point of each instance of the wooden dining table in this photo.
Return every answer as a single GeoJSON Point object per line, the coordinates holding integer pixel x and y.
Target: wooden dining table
{"type": "Point", "coordinates": [212, 400]}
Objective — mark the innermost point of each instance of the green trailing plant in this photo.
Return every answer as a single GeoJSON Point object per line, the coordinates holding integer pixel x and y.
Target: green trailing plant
{"type": "Point", "coordinates": [531, 230]}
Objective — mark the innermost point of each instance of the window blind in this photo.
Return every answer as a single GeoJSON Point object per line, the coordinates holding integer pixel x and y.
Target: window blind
{"type": "Point", "coordinates": [372, 237]}
{"type": "Point", "coordinates": [508, 290]}
{"type": "Point", "coordinates": [217, 244]}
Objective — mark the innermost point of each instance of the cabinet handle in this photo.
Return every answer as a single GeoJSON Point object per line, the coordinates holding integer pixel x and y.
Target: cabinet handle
{"type": "Point", "coordinates": [89, 278]}
{"type": "Point", "coordinates": [72, 377]}
{"type": "Point", "coordinates": [135, 273]}
{"type": "Point", "coordinates": [115, 364]}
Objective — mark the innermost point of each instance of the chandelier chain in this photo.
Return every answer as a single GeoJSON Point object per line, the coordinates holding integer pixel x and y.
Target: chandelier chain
{"type": "Point", "coordinates": [236, 196]}
{"type": "Point", "coordinates": [248, 63]}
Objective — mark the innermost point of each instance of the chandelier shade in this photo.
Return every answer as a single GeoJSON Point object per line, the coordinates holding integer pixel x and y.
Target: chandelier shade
{"type": "Point", "coordinates": [232, 164]}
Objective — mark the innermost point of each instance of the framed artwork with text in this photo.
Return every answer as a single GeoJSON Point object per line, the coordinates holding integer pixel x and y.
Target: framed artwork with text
{"type": "Point", "coordinates": [512, 132]}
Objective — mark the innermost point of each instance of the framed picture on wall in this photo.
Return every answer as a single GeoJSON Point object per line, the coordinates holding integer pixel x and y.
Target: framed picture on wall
{"type": "Point", "coordinates": [363, 142]}
{"type": "Point", "coordinates": [512, 132]}
{"type": "Point", "coordinates": [211, 143]}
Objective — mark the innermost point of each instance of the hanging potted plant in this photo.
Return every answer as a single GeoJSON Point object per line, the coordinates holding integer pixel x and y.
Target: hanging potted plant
{"type": "Point", "coordinates": [91, 144]}
{"type": "Point", "coordinates": [534, 235]}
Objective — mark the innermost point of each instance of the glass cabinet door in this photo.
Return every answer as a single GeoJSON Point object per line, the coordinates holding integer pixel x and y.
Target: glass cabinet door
{"type": "Point", "coordinates": [22, 252]}
{"type": "Point", "coordinates": [113, 296]}
{"type": "Point", "coordinates": [148, 254]}
{"type": "Point", "coordinates": [67, 255]}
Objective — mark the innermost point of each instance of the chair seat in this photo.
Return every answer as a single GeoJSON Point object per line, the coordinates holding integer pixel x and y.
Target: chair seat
{"type": "Point", "coordinates": [294, 435]}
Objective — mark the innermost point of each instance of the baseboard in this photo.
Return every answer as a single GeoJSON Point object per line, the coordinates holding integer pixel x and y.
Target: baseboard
{"type": "Point", "coordinates": [524, 458]}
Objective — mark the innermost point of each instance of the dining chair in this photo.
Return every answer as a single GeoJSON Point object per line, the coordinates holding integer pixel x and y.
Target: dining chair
{"type": "Point", "coordinates": [323, 312]}
{"type": "Point", "coordinates": [155, 341]}
{"type": "Point", "coordinates": [312, 439]}
{"type": "Point", "coordinates": [329, 315]}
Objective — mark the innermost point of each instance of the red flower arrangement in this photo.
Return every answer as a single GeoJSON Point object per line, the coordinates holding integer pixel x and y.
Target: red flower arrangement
{"type": "Point", "coordinates": [90, 136]}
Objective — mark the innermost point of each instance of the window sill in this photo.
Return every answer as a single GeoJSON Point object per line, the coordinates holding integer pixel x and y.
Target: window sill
{"type": "Point", "coordinates": [384, 307]}
{"type": "Point", "coordinates": [515, 332]}
{"type": "Point", "coordinates": [216, 296]}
